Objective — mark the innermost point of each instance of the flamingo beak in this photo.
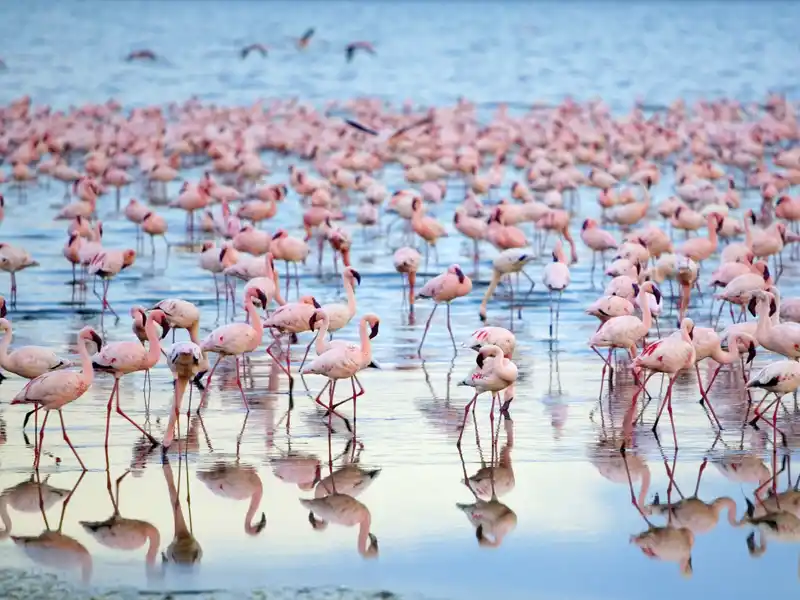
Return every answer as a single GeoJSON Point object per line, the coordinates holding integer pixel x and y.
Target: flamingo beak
{"type": "Point", "coordinates": [635, 289]}
{"type": "Point", "coordinates": [585, 225]}
{"type": "Point", "coordinates": [312, 321]}
{"type": "Point", "coordinates": [357, 275]}
{"type": "Point", "coordinates": [374, 331]}
{"type": "Point", "coordinates": [719, 224]}
{"type": "Point", "coordinates": [751, 352]}
{"type": "Point", "coordinates": [479, 360]}
{"type": "Point", "coordinates": [262, 297]}
{"type": "Point", "coordinates": [657, 294]}
{"type": "Point", "coordinates": [772, 307]}
{"type": "Point", "coordinates": [373, 365]}
{"type": "Point", "coordinates": [276, 235]}
{"type": "Point", "coordinates": [316, 304]}
{"type": "Point", "coordinates": [460, 274]}
{"type": "Point", "coordinates": [3, 310]}
{"type": "Point", "coordinates": [95, 337]}
{"type": "Point", "coordinates": [374, 541]}
{"type": "Point", "coordinates": [766, 273]}
{"type": "Point", "coordinates": [164, 327]}
{"type": "Point", "coordinates": [222, 253]}
{"type": "Point", "coordinates": [751, 306]}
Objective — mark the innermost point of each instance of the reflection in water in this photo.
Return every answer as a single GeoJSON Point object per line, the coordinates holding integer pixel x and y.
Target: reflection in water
{"type": "Point", "coordinates": [29, 496]}
{"type": "Point", "coordinates": [342, 508]}
{"type": "Point", "coordinates": [51, 548]}
{"type": "Point", "coordinates": [184, 549]}
{"type": "Point", "coordinates": [492, 519]}
{"type": "Point", "coordinates": [237, 482]}
{"type": "Point", "coordinates": [120, 533]}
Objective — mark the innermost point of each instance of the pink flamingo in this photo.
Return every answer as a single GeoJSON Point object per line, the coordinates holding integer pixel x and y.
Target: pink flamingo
{"type": "Point", "coordinates": [707, 344]}
{"type": "Point", "coordinates": [428, 228]}
{"type": "Point", "coordinates": [556, 278]}
{"type": "Point", "coordinates": [108, 264]}
{"type": "Point", "coordinates": [237, 339]}
{"type": "Point", "coordinates": [669, 355]}
{"type": "Point", "coordinates": [406, 262]}
{"type": "Point", "coordinates": [343, 361]}
{"type": "Point", "coordinates": [289, 249]}
{"type": "Point", "coordinates": [446, 287]}
{"type": "Point", "coordinates": [56, 389]}
{"type": "Point", "coordinates": [494, 374]}
{"type": "Point", "coordinates": [350, 49]}
{"type": "Point", "coordinates": [598, 240]}
{"type": "Point", "coordinates": [122, 358]}
{"type": "Point", "coordinates": [291, 318]}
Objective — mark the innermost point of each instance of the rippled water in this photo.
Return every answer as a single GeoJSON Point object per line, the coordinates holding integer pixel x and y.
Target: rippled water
{"type": "Point", "coordinates": [569, 492]}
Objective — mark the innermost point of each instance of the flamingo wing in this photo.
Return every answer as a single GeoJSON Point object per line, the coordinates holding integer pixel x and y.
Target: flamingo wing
{"type": "Point", "coordinates": [52, 387]}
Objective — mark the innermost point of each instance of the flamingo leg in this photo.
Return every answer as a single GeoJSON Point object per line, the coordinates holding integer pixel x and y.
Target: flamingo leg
{"type": "Point", "coordinates": [239, 383]}
{"type": "Point", "coordinates": [466, 414]}
{"type": "Point", "coordinates": [450, 329]}
{"type": "Point", "coordinates": [108, 411]}
{"type": "Point", "coordinates": [208, 381]}
{"type": "Point", "coordinates": [427, 326]}
{"type": "Point", "coordinates": [69, 443]}
{"type": "Point", "coordinates": [132, 422]}
{"type": "Point", "coordinates": [41, 441]}
{"type": "Point", "coordinates": [634, 501]}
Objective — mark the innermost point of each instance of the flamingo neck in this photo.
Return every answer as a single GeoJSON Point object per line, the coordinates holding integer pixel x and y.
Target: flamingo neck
{"type": "Point", "coordinates": [351, 297]}
{"type": "Point", "coordinates": [642, 499]}
{"type": "Point", "coordinates": [764, 326]}
{"type": "Point", "coordinates": [86, 362]}
{"type": "Point", "coordinates": [647, 318]}
{"type": "Point", "coordinates": [321, 344]}
{"type": "Point", "coordinates": [4, 344]}
{"type": "Point", "coordinates": [496, 276]}
{"type": "Point", "coordinates": [254, 319]}
{"type": "Point", "coordinates": [5, 517]}
{"type": "Point", "coordinates": [180, 390]}
{"type": "Point", "coordinates": [712, 234]}
{"type": "Point", "coordinates": [277, 296]}
{"type": "Point", "coordinates": [748, 234]}
{"type": "Point", "coordinates": [366, 344]}
{"type": "Point", "coordinates": [154, 539]}
{"type": "Point", "coordinates": [732, 354]}
{"type": "Point", "coordinates": [154, 344]}
{"type": "Point", "coordinates": [412, 279]}
{"type": "Point", "coordinates": [255, 502]}
{"type": "Point", "coordinates": [363, 534]}
{"type": "Point", "coordinates": [725, 503]}
{"type": "Point", "coordinates": [194, 332]}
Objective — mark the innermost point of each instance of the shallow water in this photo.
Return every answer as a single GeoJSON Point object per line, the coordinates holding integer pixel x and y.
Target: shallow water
{"type": "Point", "coordinates": [569, 492]}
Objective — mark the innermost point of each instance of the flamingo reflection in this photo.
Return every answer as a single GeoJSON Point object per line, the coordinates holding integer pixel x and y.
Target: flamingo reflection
{"type": "Point", "coordinates": [53, 549]}
{"type": "Point", "coordinates": [342, 509]}
{"type": "Point", "coordinates": [237, 482]}
{"type": "Point", "coordinates": [28, 496]}
{"type": "Point", "coordinates": [498, 478]}
{"type": "Point", "coordinates": [184, 549]}
{"type": "Point", "coordinates": [120, 533]}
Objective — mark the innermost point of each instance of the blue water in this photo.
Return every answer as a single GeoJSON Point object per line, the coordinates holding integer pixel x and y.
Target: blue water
{"type": "Point", "coordinates": [571, 540]}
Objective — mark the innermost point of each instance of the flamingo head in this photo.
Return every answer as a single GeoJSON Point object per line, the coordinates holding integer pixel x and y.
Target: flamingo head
{"type": "Point", "coordinates": [90, 335]}
{"type": "Point", "coordinates": [678, 212]}
{"type": "Point", "coordinates": [138, 315]}
{"type": "Point", "coordinates": [781, 227]}
{"type": "Point", "coordinates": [128, 257]}
{"type": "Point", "coordinates": [158, 316]}
{"type": "Point", "coordinates": [588, 223]}
{"type": "Point", "coordinates": [310, 300]}
{"type": "Point", "coordinates": [207, 246]}
{"type": "Point", "coordinates": [279, 234]}
{"type": "Point", "coordinates": [374, 324]}
{"type": "Point", "coordinates": [456, 270]}
{"type": "Point", "coordinates": [317, 524]}
{"type": "Point", "coordinates": [751, 351]}
{"type": "Point", "coordinates": [255, 292]}
{"type": "Point", "coordinates": [352, 275]}
{"type": "Point", "coordinates": [317, 316]}
{"type": "Point", "coordinates": [781, 200]}
{"type": "Point", "coordinates": [2, 201]}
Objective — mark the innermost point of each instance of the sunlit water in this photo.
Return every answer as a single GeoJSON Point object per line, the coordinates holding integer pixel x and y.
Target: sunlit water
{"type": "Point", "coordinates": [569, 490]}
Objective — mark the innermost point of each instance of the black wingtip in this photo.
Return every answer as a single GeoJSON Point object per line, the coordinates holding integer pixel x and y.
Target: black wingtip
{"type": "Point", "coordinates": [360, 127]}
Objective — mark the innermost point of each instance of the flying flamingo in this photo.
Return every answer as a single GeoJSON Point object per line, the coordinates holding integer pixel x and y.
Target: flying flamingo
{"type": "Point", "coordinates": [494, 374]}
{"type": "Point", "coordinates": [122, 358]}
{"type": "Point", "coordinates": [350, 49]}
{"type": "Point", "coordinates": [55, 389]}
{"type": "Point", "coordinates": [446, 287]}
{"type": "Point", "coordinates": [669, 355]}
{"type": "Point", "coordinates": [343, 361]}
{"type": "Point", "coordinates": [237, 339]}
{"type": "Point", "coordinates": [256, 47]}
{"type": "Point", "coordinates": [556, 279]}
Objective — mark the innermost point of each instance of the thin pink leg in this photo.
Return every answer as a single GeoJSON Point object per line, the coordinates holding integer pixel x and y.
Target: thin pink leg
{"type": "Point", "coordinates": [69, 443]}
{"type": "Point", "coordinates": [664, 402]}
{"type": "Point", "coordinates": [132, 422]}
{"type": "Point", "coordinates": [239, 383]}
{"type": "Point", "coordinates": [41, 441]}
{"type": "Point", "coordinates": [108, 410]}
{"type": "Point", "coordinates": [427, 326]}
{"type": "Point", "coordinates": [671, 418]}
{"type": "Point", "coordinates": [466, 414]}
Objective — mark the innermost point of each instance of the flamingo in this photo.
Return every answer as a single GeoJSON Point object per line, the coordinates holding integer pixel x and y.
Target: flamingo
{"type": "Point", "coordinates": [494, 374]}
{"type": "Point", "coordinates": [56, 389]}
{"type": "Point", "coordinates": [707, 344]}
{"type": "Point", "coordinates": [107, 265]}
{"type": "Point", "coordinates": [237, 482]}
{"type": "Point", "coordinates": [669, 355]}
{"type": "Point", "coordinates": [512, 260]}
{"type": "Point", "coordinates": [406, 262]}
{"type": "Point", "coordinates": [777, 378]}
{"type": "Point", "coordinates": [343, 510]}
{"type": "Point", "coordinates": [343, 361]}
{"type": "Point", "coordinates": [12, 260]}
{"type": "Point", "coordinates": [494, 336]}
{"type": "Point", "coordinates": [781, 338]}
{"type": "Point", "coordinates": [556, 279]}
{"type": "Point", "coordinates": [237, 339]}
{"type": "Point", "coordinates": [125, 357]}
{"type": "Point", "coordinates": [598, 240]}
{"type": "Point", "coordinates": [185, 360]}
{"type": "Point", "coordinates": [667, 543]}
{"type": "Point", "coordinates": [27, 361]}
{"type": "Point", "coordinates": [446, 287]}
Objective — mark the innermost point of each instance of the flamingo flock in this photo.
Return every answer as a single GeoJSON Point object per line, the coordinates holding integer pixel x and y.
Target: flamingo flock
{"type": "Point", "coordinates": [697, 197]}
